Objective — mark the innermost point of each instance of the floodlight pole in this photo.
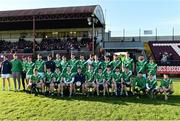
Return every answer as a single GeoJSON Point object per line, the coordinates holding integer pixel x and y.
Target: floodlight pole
{"type": "Point", "coordinates": [93, 36]}
{"type": "Point", "coordinates": [34, 27]}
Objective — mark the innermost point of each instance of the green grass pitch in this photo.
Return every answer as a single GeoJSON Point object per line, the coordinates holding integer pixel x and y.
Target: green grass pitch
{"type": "Point", "coordinates": [21, 106]}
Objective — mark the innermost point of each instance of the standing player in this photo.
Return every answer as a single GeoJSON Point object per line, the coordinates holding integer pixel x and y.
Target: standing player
{"type": "Point", "coordinates": [152, 67]}
{"type": "Point", "coordinates": [82, 63]}
{"type": "Point", "coordinates": [166, 86]}
{"type": "Point", "coordinates": [64, 64]}
{"type": "Point", "coordinates": [96, 63]}
{"type": "Point", "coordinates": [116, 81]}
{"type": "Point", "coordinates": [23, 74]}
{"type": "Point", "coordinates": [40, 65]}
{"type": "Point", "coordinates": [129, 63]}
{"type": "Point", "coordinates": [29, 69]}
{"type": "Point", "coordinates": [58, 61]}
{"type": "Point", "coordinates": [106, 63]}
{"type": "Point", "coordinates": [50, 63]}
{"type": "Point", "coordinates": [6, 72]}
{"type": "Point", "coordinates": [115, 63]}
{"type": "Point", "coordinates": [16, 71]}
{"type": "Point", "coordinates": [73, 63]}
{"type": "Point", "coordinates": [126, 82]}
{"type": "Point", "coordinates": [100, 82]}
{"type": "Point", "coordinates": [141, 66]}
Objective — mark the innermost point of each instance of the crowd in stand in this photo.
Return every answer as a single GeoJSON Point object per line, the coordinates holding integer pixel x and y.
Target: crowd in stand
{"type": "Point", "coordinates": [166, 58]}
{"type": "Point", "coordinates": [47, 44]}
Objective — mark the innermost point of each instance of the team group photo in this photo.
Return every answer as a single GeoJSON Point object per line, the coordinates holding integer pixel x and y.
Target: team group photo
{"type": "Point", "coordinates": [90, 60]}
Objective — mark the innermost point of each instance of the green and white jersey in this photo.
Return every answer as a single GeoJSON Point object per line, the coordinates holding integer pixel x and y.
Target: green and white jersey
{"type": "Point", "coordinates": [35, 78]}
{"type": "Point", "coordinates": [24, 65]}
{"type": "Point", "coordinates": [128, 62]}
{"type": "Point", "coordinates": [89, 75]}
{"type": "Point", "coordinates": [64, 65]}
{"type": "Point", "coordinates": [117, 76]}
{"type": "Point", "coordinates": [108, 76]}
{"type": "Point", "coordinates": [49, 76]}
{"type": "Point", "coordinates": [105, 64]}
{"type": "Point", "coordinates": [73, 64]}
{"type": "Point", "coordinates": [152, 84]}
{"type": "Point", "coordinates": [16, 65]}
{"type": "Point", "coordinates": [115, 63]}
{"type": "Point", "coordinates": [58, 63]}
{"type": "Point", "coordinates": [127, 76]}
{"type": "Point", "coordinates": [83, 65]}
{"type": "Point", "coordinates": [166, 83]}
{"type": "Point", "coordinates": [29, 68]}
{"type": "Point", "coordinates": [100, 77]}
{"type": "Point", "coordinates": [69, 76]}
{"type": "Point", "coordinates": [151, 68]}
{"type": "Point", "coordinates": [96, 65]}
{"type": "Point", "coordinates": [39, 65]}
{"type": "Point", "coordinates": [58, 76]}
{"type": "Point", "coordinates": [141, 66]}
{"type": "Point", "coordinates": [140, 82]}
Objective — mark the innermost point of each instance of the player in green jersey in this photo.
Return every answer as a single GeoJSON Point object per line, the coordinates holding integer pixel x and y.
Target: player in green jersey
{"type": "Point", "coordinates": [35, 82]}
{"type": "Point", "coordinates": [116, 80]}
{"type": "Point", "coordinates": [151, 85]}
{"type": "Point", "coordinates": [73, 62]}
{"type": "Point", "coordinates": [96, 63]}
{"type": "Point", "coordinates": [89, 76]}
{"type": "Point", "coordinates": [166, 86]}
{"type": "Point", "coordinates": [56, 79]}
{"type": "Point", "coordinates": [128, 62]}
{"type": "Point", "coordinates": [115, 63]}
{"type": "Point", "coordinates": [23, 73]}
{"type": "Point", "coordinates": [141, 66]}
{"type": "Point", "coordinates": [126, 82]}
{"type": "Point", "coordinates": [58, 61]}
{"type": "Point", "coordinates": [40, 65]}
{"type": "Point", "coordinates": [100, 81]}
{"type": "Point", "coordinates": [106, 63]}
{"type": "Point", "coordinates": [152, 67]}
{"type": "Point", "coordinates": [48, 79]}
{"type": "Point", "coordinates": [29, 68]}
{"type": "Point", "coordinates": [82, 63]}
{"type": "Point", "coordinates": [64, 64]}
{"type": "Point", "coordinates": [108, 79]}
{"type": "Point", "coordinates": [67, 81]}
{"type": "Point", "coordinates": [140, 83]}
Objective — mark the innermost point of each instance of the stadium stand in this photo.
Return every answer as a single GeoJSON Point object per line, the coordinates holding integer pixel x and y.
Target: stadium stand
{"type": "Point", "coordinates": [166, 52]}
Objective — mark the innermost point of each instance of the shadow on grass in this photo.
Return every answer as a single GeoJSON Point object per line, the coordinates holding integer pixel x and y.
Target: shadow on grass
{"type": "Point", "coordinates": [173, 99]}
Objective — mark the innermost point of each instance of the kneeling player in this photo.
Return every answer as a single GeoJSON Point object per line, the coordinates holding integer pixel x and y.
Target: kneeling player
{"type": "Point", "coordinates": [140, 83]}
{"type": "Point", "coordinates": [89, 83]}
{"type": "Point", "coordinates": [108, 79]}
{"type": "Point", "coordinates": [35, 82]}
{"type": "Point", "coordinates": [126, 82]}
{"type": "Point", "coordinates": [166, 86]}
{"type": "Point", "coordinates": [116, 81]}
{"type": "Point", "coordinates": [48, 80]}
{"type": "Point", "coordinates": [79, 81]}
{"type": "Point", "coordinates": [67, 81]}
{"type": "Point", "coordinates": [57, 77]}
{"type": "Point", "coordinates": [100, 81]}
{"type": "Point", "coordinates": [151, 85]}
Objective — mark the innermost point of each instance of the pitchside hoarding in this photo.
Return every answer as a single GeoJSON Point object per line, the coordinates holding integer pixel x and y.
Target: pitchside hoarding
{"type": "Point", "coordinates": [168, 70]}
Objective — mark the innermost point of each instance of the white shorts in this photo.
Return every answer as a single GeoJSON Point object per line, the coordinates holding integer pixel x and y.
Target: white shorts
{"type": "Point", "coordinates": [28, 76]}
{"type": "Point", "coordinates": [5, 76]}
